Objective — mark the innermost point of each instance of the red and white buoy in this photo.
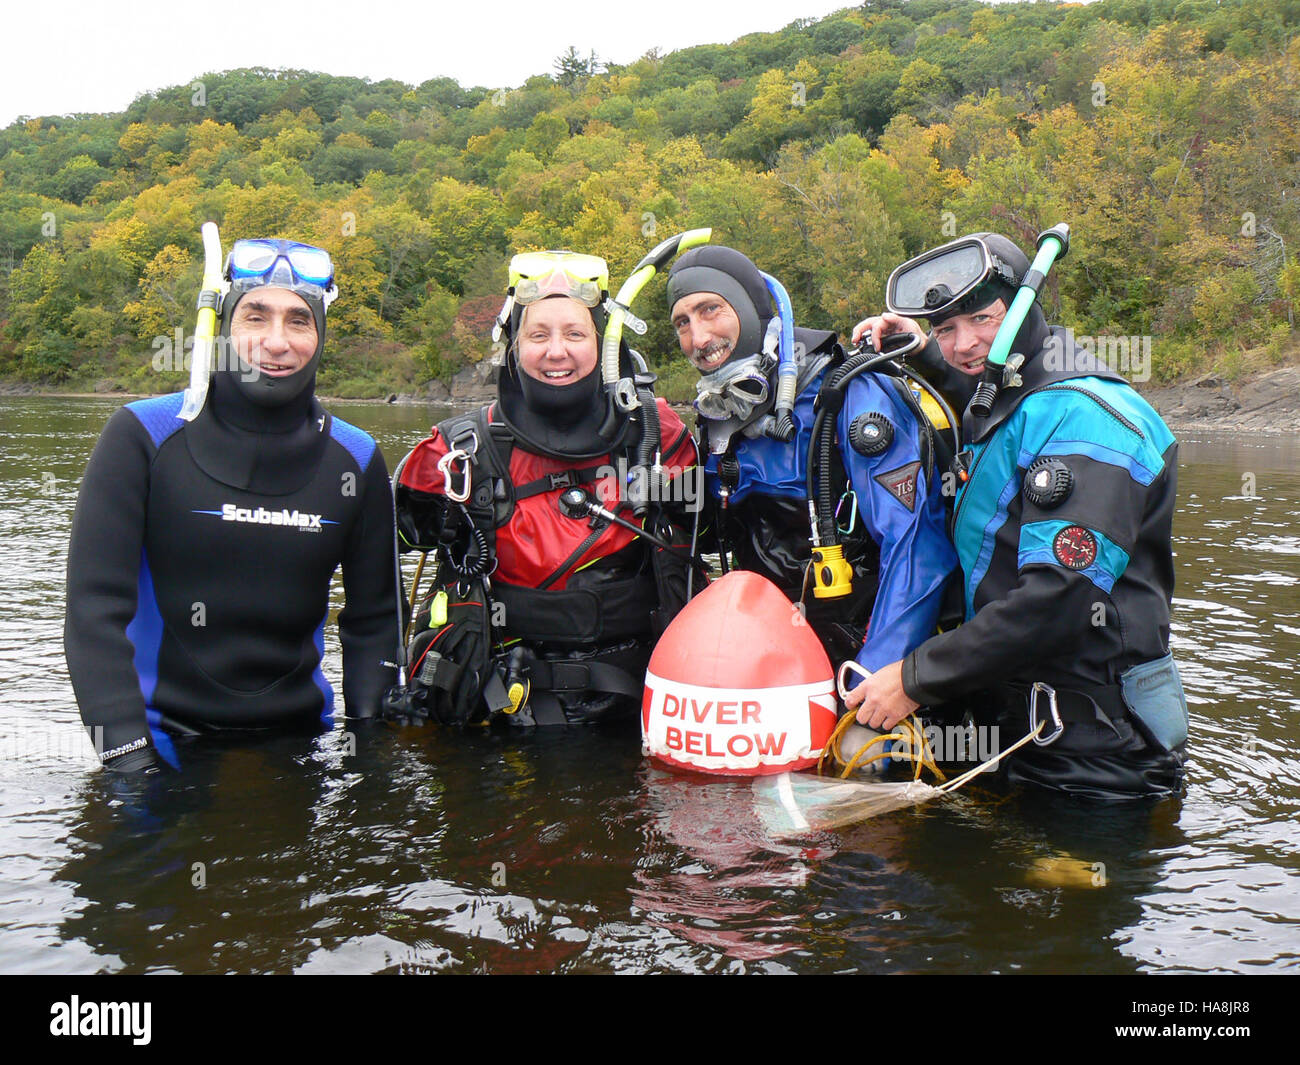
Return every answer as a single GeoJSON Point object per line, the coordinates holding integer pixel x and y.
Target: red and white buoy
{"type": "Point", "coordinates": [739, 684]}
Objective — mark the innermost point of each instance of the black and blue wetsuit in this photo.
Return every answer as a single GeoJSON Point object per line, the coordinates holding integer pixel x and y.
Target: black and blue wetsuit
{"type": "Point", "coordinates": [200, 567]}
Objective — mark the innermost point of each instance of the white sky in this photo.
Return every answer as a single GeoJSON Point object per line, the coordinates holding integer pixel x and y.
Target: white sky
{"type": "Point", "coordinates": [72, 56]}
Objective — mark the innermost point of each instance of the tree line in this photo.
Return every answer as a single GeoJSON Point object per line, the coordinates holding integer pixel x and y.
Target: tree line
{"type": "Point", "coordinates": [1166, 133]}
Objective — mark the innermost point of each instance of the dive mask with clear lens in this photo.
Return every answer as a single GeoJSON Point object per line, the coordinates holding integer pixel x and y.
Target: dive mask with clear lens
{"type": "Point", "coordinates": [286, 264]}
{"type": "Point", "coordinates": [536, 275]}
{"type": "Point", "coordinates": [937, 283]}
{"type": "Point", "coordinates": [735, 389]}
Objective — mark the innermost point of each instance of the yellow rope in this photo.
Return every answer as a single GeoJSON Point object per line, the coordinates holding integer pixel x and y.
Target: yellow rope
{"type": "Point", "coordinates": [862, 758]}
{"type": "Point", "coordinates": [915, 739]}
{"type": "Point", "coordinates": [833, 741]}
{"type": "Point", "coordinates": [917, 750]}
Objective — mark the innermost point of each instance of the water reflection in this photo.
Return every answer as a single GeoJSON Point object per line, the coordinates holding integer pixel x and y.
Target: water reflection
{"type": "Point", "coordinates": [417, 850]}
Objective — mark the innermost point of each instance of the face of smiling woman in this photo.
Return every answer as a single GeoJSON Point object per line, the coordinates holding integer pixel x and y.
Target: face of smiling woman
{"type": "Point", "coordinates": [557, 341]}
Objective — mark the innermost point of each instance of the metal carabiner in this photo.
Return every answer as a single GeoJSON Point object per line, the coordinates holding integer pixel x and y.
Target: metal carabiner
{"type": "Point", "coordinates": [458, 454]}
{"type": "Point", "coordinates": [853, 513]}
{"type": "Point", "coordinates": [841, 684]}
{"type": "Point", "coordinates": [1038, 688]}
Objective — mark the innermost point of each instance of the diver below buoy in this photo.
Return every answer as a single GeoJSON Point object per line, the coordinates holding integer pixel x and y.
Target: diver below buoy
{"type": "Point", "coordinates": [739, 684]}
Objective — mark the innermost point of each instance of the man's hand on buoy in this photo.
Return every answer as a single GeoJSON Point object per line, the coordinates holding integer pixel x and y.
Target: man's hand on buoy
{"type": "Point", "coordinates": [880, 700]}
{"type": "Point", "coordinates": [881, 325]}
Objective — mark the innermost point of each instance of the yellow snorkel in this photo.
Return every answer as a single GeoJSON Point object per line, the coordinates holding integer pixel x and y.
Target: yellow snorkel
{"type": "Point", "coordinates": [620, 310]}
{"type": "Point", "coordinates": [205, 331]}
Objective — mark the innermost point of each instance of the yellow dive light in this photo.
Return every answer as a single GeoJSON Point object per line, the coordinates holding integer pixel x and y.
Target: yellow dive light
{"type": "Point", "coordinates": [832, 575]}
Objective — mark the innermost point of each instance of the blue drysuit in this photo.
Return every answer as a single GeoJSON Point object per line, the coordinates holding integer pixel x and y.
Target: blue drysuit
{"type": "Point", "coordinates": [900, 552]}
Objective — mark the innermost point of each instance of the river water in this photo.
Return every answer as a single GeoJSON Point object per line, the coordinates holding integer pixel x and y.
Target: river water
{"type": "Point", "coordinates": [416, 850]}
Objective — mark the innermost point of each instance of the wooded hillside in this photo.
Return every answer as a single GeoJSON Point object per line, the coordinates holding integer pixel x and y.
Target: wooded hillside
{"type": "Point", "coordinates": [1166, 132]}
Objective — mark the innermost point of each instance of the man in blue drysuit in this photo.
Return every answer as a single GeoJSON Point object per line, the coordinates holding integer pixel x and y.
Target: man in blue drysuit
{"type": "Point", "coordinates": [884, 476]}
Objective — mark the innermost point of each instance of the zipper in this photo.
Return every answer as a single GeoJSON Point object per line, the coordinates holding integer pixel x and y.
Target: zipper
{"type": "Point", "coordinates": [1097, 400]}
{"type": "Point", "coordinates": [970, 477]}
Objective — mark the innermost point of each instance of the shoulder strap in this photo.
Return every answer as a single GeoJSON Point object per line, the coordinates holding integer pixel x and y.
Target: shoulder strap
{"type": "Point", "coordinates": [926, 429]}
{"type": "Point", "coordinates": [489, 446]}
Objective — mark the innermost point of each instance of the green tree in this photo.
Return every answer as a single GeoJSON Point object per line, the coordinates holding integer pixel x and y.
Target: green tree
{"type": "Point", "coordinates": [77, 178]}
{"type": "Point", "coordinates": [572, 68]}
{"type": "Point", "coordinates": [167, 290]}
{"type": "Point", "coordinates": [40, 304]}
{"type": "Point", "coordinates": [464, 221]}
{"type": "Point", "coordinates": [546, 133]}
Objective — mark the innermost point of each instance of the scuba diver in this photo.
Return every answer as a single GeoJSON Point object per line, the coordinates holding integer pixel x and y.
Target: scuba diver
{"type": "Point", "coordinates": [559, 518]}
{"type": "Point", "coordinates": [1062, 527]}
{"type": "Point", "coordinates": [796, 433]}
{"type": "Point", "coordinates": [208, 527]}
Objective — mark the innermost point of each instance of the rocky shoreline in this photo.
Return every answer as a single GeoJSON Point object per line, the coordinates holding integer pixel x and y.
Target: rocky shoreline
{"type": "Point", "coordinates": [1268, 403]}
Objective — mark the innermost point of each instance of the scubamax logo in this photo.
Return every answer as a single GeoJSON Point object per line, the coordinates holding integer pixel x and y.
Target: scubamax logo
{"type": "Point", "coordinates": [75, 1017]}
{"type": "Point", "coordinates": [293, 519]}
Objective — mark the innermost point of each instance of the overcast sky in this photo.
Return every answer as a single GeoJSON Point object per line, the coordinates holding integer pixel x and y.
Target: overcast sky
{"type": "Point", "coordinates": [63, 57]}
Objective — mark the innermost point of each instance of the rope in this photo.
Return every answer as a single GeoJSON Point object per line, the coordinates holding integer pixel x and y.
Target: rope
{"type": "Point", "coordinates": [915, 740]}
{"type": "Point", "coordinates": [957, 782]}
{"type": "Point", "coordinates": [917, 750]}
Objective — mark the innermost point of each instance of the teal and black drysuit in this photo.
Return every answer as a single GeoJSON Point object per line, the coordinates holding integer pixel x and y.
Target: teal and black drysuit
{"type": "Point", "coordinates": [1068, 578]}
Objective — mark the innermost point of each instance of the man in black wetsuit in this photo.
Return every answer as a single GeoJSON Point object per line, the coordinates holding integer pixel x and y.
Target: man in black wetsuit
{"type": "Point", "coordinates": [202, 550]}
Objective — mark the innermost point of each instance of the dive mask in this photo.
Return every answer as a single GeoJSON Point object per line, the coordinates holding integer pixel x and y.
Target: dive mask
{"type": "Point", "coordinates": [937, 283]}
{"type": "Point", "coordinates": [735, 389]}
{"type": "Point", "coordinates": [286, 264]}
{"type": "Point", "coordinates": [537, 275]}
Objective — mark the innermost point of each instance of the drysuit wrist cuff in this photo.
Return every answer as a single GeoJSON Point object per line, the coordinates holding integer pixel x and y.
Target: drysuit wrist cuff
{"type": "Point", "coordinates": [912, 686]}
